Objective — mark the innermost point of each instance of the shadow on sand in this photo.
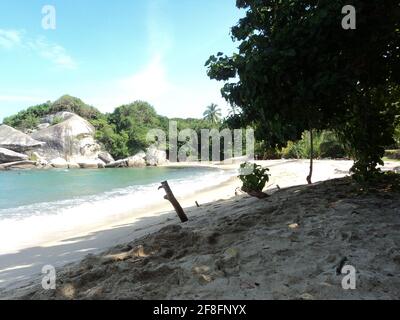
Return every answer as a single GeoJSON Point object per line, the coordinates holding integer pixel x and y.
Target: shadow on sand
{"type": "Point", "coordinates": [25, 266]}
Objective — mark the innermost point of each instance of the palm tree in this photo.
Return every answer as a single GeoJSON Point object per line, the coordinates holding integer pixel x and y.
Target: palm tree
{"type": "Point", "coordinates": [212, 113]}
{"type": "Point", "coordinates": [234, 111]}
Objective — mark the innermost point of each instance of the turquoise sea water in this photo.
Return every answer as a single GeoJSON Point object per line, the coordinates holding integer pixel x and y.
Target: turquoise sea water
{"type": "Point", "coordinates": [23, 188]}
{"type": "Point", "coordinates": [39, 205]}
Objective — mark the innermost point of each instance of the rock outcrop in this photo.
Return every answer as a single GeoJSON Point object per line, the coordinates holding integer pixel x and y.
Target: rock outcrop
{"type": "Point", "coordinates": [25, 164]}
{"type": "Point", "coordinates": [7, 155]}
{"type": "Point", "coordinates": [137, 160]}
{"type": "Point", "coordinates": [59, 163]}
{"type": "Point", "coordinates": [152, 157]}
{"type": "Point", "coordinates": [106, 157]}
{"type": "Point", "coordinates": [36, 157]}
{"type": "Point", "coordinates": [155, 157]}
{"type": "Point", "coordinates": [71, 139]}
{"type": "Point", "coordinates": [73, 165]}
{"type": "Point", "coordinates": [91, 164]}
{"type": "Point", "coordinates": [17, 141]}
{"type": "Point", "coordinates": [68, 143]}
{"type": "Point", "coordinates": [118, 164]}
{"type": "Point", "coordinates": [43, 126]}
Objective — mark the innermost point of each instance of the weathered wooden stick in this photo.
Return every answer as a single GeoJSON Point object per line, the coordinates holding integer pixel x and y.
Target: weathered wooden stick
{"type": "Point", "coordinates": [171, 198]}
{"type": "Point", "coordinates": [258, 194]}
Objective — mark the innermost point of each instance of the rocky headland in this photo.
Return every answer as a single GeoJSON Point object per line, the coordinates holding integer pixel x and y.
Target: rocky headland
{"type": "Point", "coordinates": [65, 140]}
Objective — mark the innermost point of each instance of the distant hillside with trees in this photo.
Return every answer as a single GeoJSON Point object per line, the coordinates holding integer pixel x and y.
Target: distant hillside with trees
{"type": "Point", "coordinates": [122, 132]}
{"type": "Point", "coordinates": [30, 118]}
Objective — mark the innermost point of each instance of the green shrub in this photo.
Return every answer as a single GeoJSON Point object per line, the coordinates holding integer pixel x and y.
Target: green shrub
{"type": "Point", "coordinates": [56, 121]}
{"type": "Point", "coordinates": [326, 145]}
{"type": "Point", "coordinates": [33, 157]}
{"type": "Point", "coordinates": [292, 151]}
{"type": "Point", "coordinates": [253, 176]}
{"type": "Point", "coordinates": [75, 105]}
{"type": "Point", "coordinates": [30, 118]}
{"type": "Point", "coordinates": [332, 149]}
{"type": "Point", "coordinates": [271, 154]}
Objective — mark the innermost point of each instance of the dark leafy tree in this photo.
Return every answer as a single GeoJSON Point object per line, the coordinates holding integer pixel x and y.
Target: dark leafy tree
{"type": "Point", "coordinates": [297, 69]}
{"type": "Point", "coordinates": [134, 121]}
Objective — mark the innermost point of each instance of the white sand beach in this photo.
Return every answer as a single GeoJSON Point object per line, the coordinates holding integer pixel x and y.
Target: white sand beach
{"type": "Point", "coordinates": [248, 248]}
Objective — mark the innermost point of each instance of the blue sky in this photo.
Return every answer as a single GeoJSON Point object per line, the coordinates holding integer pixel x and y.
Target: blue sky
{"type": "Point", "coordinates": [110, 53]}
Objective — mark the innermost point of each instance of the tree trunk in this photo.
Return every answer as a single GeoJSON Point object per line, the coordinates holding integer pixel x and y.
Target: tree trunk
{"type": "Point", "coordinates": [311, 157]}
{"type": "Point", "coordinates": [171, 198]}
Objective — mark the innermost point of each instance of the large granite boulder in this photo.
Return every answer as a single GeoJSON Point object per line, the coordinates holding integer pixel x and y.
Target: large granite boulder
{"type": "Point", "coordinates": [152, 157]}
{"type": "Point", "coordinates": [59, 163]}
{"type": "Point", "coordinates": [91, 164]}
{"type": "Point", "coordinates": [17, 141]}
{"type": "Point", "coordinates": [118, 164]}
{"type": "Point", "coordinates": [88, 148]}
{"type": "Point", "coordinates": [25, 164]}
{"type": "Point", "coordinates": [137, 160]}
{"type": "Point", "coordinates": [11, 156]}
{"type": "Point", "coordinates": [71, 139]}
{"type": "Point", "coordinates": [43, 126]}
{"type": "Point", "coordinates": [73, 165]}
{"type": "Point", "coordinates": [106, 157]}
{"type": "Point", "coordinates": [155, 157]}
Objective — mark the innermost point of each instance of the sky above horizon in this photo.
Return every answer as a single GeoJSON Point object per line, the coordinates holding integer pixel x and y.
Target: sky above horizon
{"type": "Point", "coordinates": [113, 53]}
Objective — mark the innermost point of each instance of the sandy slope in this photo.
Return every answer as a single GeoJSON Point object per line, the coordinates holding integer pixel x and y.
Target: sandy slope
{"type": "Point", "coordinates": [236, 248]}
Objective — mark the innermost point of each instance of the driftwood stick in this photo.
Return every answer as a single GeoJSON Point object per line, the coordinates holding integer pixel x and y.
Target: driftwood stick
{"type": "Point", "coordinates": [171, 198]}
{"type": "Point", "coordinates": [257, 194]}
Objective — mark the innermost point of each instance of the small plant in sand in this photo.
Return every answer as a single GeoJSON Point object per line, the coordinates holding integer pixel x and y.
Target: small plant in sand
{"type": "Point", "coordinates": [254, 177]}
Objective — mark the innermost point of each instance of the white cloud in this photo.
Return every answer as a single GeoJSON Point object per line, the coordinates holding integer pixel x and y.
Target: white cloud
{"type": "Point", "coordinates": [154, 83]}
{"type": "Point", "coordinates": [190, 99]}
{"type": "Point", "coordinates": [52, 52]}
{"type": "Point", "coordinates": [149, 83]}
{"type": "Point", "coordinates": [10, 39]}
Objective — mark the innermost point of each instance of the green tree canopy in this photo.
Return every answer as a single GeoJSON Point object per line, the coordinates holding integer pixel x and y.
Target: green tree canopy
{"type": "Point", "coordinates": [134, 121]}
{"type": "Point", "coordinates": [298, 69]}
{"type": "Point", "coordinates": [75, 105]}
{"type": "Point", "coordinates": [30, 118]}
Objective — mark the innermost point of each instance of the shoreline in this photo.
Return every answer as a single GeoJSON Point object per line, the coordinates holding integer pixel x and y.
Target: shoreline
{"type": "Point", "coordinates": [22, 264]}
{"type": "Point", "coordinates": [18, 269]}
{"type": "Point", "coordinates": [123, 215]}
{"type": "Point", "coordinates": [285, 247]}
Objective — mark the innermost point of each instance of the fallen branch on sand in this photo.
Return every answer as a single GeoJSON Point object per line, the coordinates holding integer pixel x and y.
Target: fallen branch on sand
{"type": "Point", "coordinates": [171, 198]}
{"type": "Point", "coordinates": [256, 194]}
